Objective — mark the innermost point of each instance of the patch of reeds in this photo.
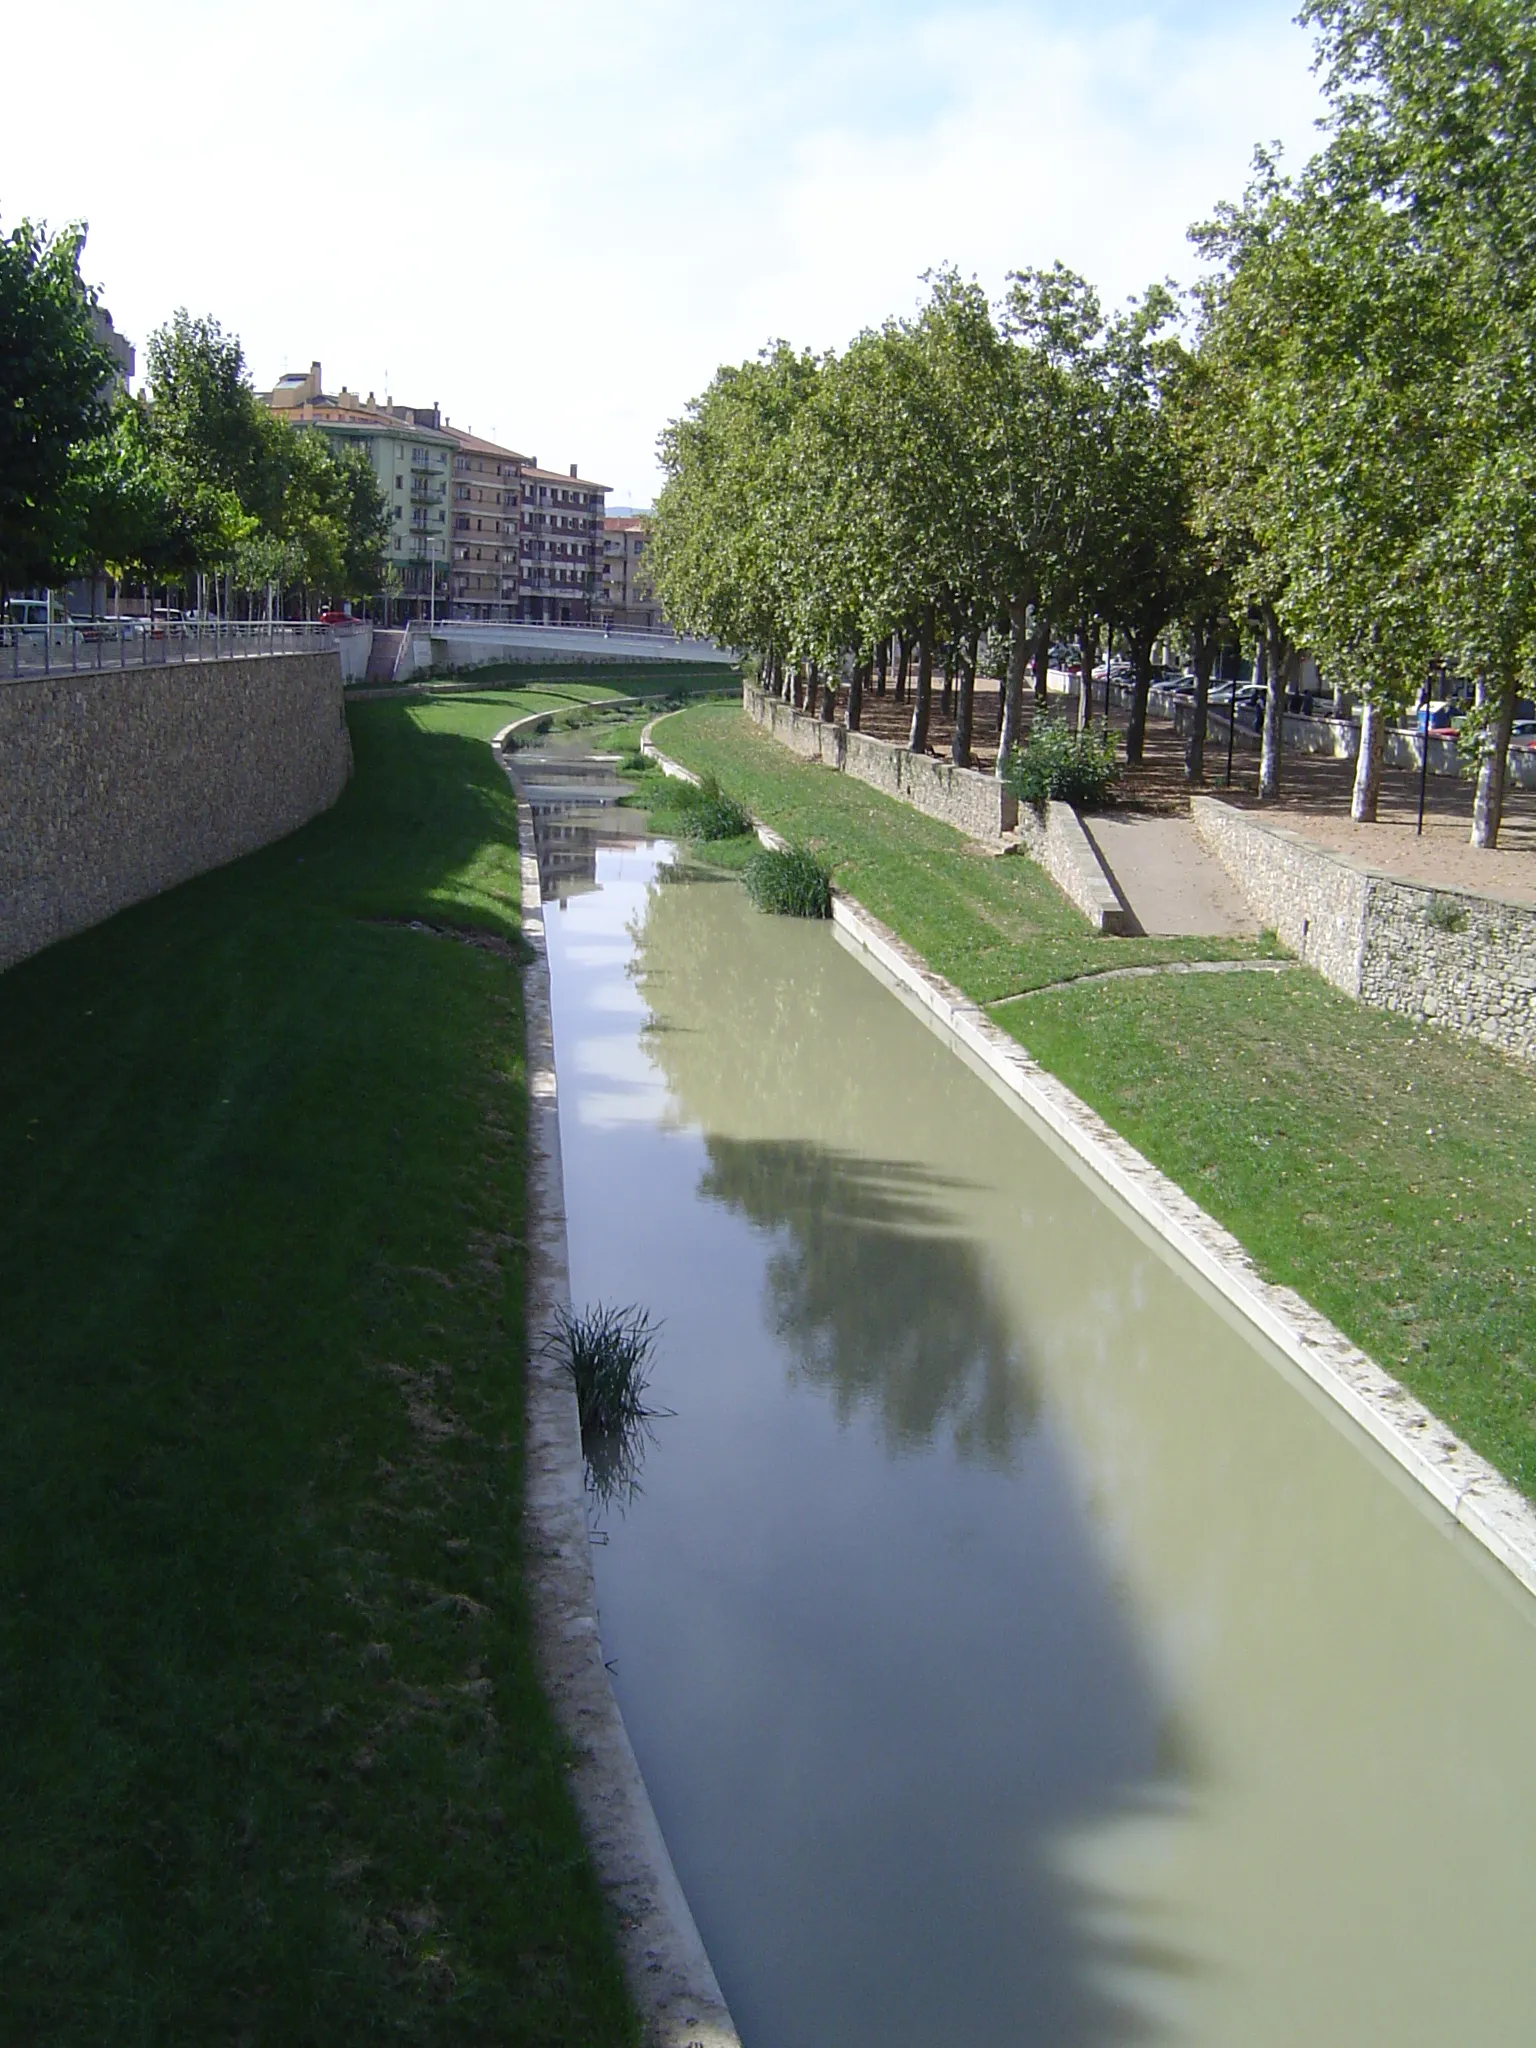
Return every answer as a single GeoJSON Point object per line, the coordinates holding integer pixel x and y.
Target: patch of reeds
{"type": "Point", "coordinates": [607, 1352]}
{"type": "Point", "coordinates": [789, 882]}
{"type": "Point", "coordinates": [703, 811]}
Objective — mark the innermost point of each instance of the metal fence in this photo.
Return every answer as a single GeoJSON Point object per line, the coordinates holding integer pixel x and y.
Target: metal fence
{"type": "Point", "coordinates": [27, 652]}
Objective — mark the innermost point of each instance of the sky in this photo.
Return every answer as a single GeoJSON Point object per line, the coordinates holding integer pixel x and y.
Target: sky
{"type": "Point", "coordinates": [557, 220]}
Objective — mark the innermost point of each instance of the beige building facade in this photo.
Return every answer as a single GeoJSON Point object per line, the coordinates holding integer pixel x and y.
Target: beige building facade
{"type": "Point", "coordinates": [560, 547]}
{"type": "Point", "coordinates": [476, 530]}
{"type": "Point", "coordinates": [486, 505]}
{"type": "Point", "coordinates": [628, 598]}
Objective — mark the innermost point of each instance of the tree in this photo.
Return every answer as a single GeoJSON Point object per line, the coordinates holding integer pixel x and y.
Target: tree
{"type": "Point", "coordinates": [127, 513]}
{"type": "Point", "coordinates": [205, 418]}
{"type": "Point", "coordinates": [53, 381]}
{"type": "Point", "coordinates": [1155, 560]}
{"type": "Point", "coordinates": [1434, 126]}
{"type": "Point", "coordinates": [718, 540]}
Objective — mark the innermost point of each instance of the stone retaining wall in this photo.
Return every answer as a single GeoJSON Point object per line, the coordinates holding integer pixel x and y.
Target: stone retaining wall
{"type": "Point", "coordinates": [1462, 960]}
{"type": "Point", "coordinates": [973, 803]}
{"type": "Point", "coordinates": [118, 785]}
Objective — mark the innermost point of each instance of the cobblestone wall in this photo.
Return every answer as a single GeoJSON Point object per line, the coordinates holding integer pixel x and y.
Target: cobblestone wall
{"type": "Point", "coordinates": [1462, 960]}
{"type": "Point", "coordinates": [116, 786]}
{"type": "Point", "coordinates": [973, 803]}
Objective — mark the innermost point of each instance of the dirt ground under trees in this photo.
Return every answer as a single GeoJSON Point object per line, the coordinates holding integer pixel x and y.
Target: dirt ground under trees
{"type": "Point", "coordinates": [1314, 797]}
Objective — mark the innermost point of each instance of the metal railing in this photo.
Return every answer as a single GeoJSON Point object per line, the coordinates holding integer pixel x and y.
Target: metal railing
{"type": "Point", "coordinates": [92, 646]}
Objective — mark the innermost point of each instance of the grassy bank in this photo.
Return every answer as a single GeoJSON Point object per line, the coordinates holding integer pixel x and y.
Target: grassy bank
{"type": "Point", "coordinates": [1380, 1169]}
{"type": "Point", "coordinates": [277, 1767]}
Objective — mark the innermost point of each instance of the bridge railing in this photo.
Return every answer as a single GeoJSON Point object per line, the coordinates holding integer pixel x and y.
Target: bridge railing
{"type": "Point", "coordinates": [86, 646]}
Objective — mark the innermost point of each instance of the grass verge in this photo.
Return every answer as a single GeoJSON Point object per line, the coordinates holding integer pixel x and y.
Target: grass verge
{"type": "Point", "coordinates": [1381, 1170]}
{"type": "Point", "coordinates": [277, 1766]}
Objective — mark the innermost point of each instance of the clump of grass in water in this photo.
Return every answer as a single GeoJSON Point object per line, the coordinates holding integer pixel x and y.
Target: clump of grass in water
{"type": "Point", "coordinates": [607, 1353]}
{"type": "Point", "coordinates": [704, 811]}
{"type": "Point", "coordinates": [790, 882]}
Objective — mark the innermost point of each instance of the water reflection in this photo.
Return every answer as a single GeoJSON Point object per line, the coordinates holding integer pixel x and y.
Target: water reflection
{"type": "Point", "coordinates": [876, 1296]}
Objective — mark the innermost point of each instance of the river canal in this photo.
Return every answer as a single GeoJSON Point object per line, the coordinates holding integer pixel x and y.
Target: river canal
{"type": "Point", "coordinates": [1017, 1651]}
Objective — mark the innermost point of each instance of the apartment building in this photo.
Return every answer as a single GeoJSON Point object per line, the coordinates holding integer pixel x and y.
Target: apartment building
{"type": "Point", "coordinates": [477, 531]}
{"type": "Point", "coordinates": [628, 599]}
{"type": "Point", "coordinates": [486, 508]}
{"type": "Point", "coordinates": [560, 547]}
{"type": "Point", "coordinates": [412, 458]}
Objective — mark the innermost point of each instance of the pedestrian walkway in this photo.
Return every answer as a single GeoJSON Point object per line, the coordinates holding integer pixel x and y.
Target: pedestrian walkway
{"type": "Point", "coordinates": [1167, 880]}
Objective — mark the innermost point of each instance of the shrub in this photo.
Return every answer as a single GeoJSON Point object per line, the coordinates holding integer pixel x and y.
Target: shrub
{"type": "Point", "coordinates": [1446, 914]}
{"type": "Point", "coordinates": [607, 1353]}
{"type": "Point", "coordinates": [790, 882]}
{"type": "Point", "coordinates": [704, 811]}
{"type": "Point", "coordinates": [1059, 764]}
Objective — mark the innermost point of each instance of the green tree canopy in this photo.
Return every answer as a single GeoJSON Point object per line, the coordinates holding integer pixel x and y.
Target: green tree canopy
{"type": "Point", "coordinates": [53, 383]}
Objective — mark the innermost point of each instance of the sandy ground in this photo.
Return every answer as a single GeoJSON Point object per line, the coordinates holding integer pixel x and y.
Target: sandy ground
{"type": "Point", "coordinates": [1314, 801]}
{"type": "Point", "coordinates": [1173, 887]}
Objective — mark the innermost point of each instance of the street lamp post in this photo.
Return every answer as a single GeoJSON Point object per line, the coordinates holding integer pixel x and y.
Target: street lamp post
{"type": "Point", "coordinates": [1424, 703]}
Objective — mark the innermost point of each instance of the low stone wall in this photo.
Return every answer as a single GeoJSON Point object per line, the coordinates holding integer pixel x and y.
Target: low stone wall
{"type": "Point", "coordinates": [118, 785]}
{"type": "Point", "coordinates": [1056, 839]}
{"type": "Point", "coordinates": [973, 803]}
{"type": "Point", "coordinates": [1458, 959]}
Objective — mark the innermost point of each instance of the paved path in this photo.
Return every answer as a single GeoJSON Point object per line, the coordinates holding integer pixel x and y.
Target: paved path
{"type": "Point", "coordinates": [1172, 886]}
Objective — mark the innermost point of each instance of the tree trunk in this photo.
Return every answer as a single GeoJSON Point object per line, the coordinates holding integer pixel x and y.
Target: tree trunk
{"type": "Point", "coordinates": [1136, 731]}
{"type": "Point", "coordinates": [829, 699]}
{"type": "Point", "coordinates": [1013, 685]}
{"type": "Point", "coordinates": [965, 710]}
{"type": "Point", "coordinates": [1204, 650]}
{"type": "Point", "coordinates": [1278, 664]}
{"type": "Point", "coordinates": [922, 698]}
{"type": "Point", "coordinates": [1088, 655]}
{"type": "Point", "coordinates": [1373, 742]}
{"type": "Point", "coordinates": [812, 689]}
{"type": "Point", "coordinates": [947, 694]}
{"type": "Point", "coordinates": [856, 694]}
{"type": "Point", "coordinates": [1488, 805]}
{"type": "Point", "coordinates": [903, 663]}
{"type": "Point", "coordinates": [882, 666]}
{"type": "Point", "coordinates": [1042, 668]}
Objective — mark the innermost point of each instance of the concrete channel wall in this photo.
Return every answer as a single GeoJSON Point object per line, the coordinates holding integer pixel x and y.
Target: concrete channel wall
{"type": "Point", "coordinates": [118, 785]}
{"type": "Point", "coordinates": [1459, 959]}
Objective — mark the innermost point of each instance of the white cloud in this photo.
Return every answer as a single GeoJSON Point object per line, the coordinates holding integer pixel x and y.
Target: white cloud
{"type": "Point", "coordinates": [558, 221]}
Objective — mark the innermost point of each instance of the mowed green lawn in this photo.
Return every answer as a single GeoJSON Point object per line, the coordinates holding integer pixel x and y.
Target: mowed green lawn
{"type": "Point", "coordinates": [1381, 1169]}
{"type": "Point", "coordinates": [276, 1765]}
